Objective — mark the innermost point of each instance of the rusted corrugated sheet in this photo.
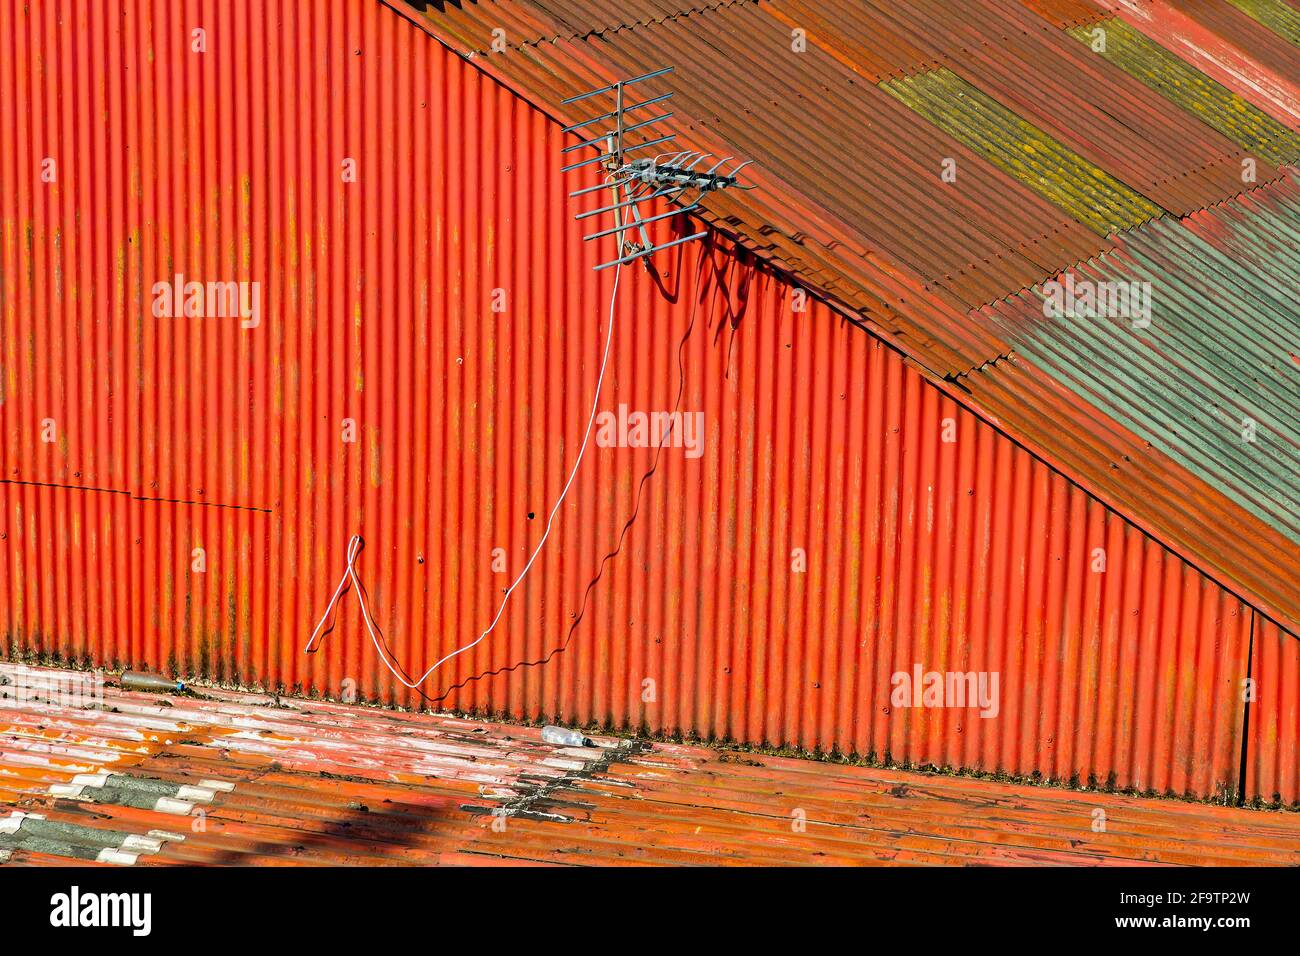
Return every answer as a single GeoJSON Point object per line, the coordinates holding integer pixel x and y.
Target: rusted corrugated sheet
{"type": "Point", "coordinates": [673, 594]}
{"type": "Point", "coordinates": [1065, 14]}
{"type": "Point", "coordinates": [1234, 22]}
{"type": "Point", "coordinates": [1211, 378]}
{"type": "Point", "coordinates": [1101, 113]}
{"type": "Point", "coordinates": [1060, 175]}
{"type": "Point", "coordinates": [908, 541]}
{"type": "Point", "coordinates": [241, 780]}
{"type": "Point", "coordinates": [851, 180]}
{"type": "Point", "coordinates": [569, 19]}
{"type": "Point", "coordinates": [1125, 470]}
{"type": "Point", "coordinates": [1251, 128]}
{"type": "Point", "coordinates": [64, 395]}
{"type": "Point", "coordinates": [1280, 17]}
{"type": "Point", "coordinates": [1253, 64]}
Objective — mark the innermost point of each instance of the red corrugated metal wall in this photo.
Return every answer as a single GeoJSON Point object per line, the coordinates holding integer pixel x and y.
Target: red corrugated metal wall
{"type": "Point", "coordinates": [671, 580]}
{"type": "Point", "coordinates": [1272, 774]}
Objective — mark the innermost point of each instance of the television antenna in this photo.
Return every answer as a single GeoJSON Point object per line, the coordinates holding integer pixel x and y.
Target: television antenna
{"type": "Point", "coordinates": [680, 176]}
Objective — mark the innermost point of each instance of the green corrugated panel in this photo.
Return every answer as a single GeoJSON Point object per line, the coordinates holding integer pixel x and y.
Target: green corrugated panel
{"type": "Point", "coordinates": [1215, 104]}
{"type": "Point", "coordinates": [1086, 192]}
{"type": "Point", "coordinates": [1223, 346]}
{"type": "Point", "coordinates": [1277, 15]}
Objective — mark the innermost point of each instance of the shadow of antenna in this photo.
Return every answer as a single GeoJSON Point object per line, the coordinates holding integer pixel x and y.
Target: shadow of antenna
{"type": "Point", "coordinates": [676, 177]}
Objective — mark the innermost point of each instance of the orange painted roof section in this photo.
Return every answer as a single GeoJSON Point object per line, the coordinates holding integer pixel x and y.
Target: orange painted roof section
{"type": "Point", "coordinates": [239, 779]}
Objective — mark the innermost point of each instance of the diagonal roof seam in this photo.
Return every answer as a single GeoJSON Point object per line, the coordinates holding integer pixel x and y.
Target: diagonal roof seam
{"type": "Point", "coordinates": [724, 4]}
{"type": "Point", "coordinates": [832, 295]}
{"type": "Point", "coordinates": [1120, 463]}
{"type": "Point", "coordinates": [1112, 245]}
{"type": "Point", "coordinates": [1030, 243]}
{"type": "Point", "coordinates": [1230, 361]}
{"type": "Point", "coordinates": [1083, 21]}
{"type": "Point", "coordinates": [1239, 153]}
{"type": "Point", "coordinates": [1285, 170]}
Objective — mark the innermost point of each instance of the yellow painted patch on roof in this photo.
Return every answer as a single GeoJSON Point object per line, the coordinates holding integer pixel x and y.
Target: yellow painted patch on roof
{"type": "Point", "coordinates": [1086, 192]}
{"type": "Point", "coordinates": [1176, 80]}
{"type": "Point", "coordinates": [1279, 16]}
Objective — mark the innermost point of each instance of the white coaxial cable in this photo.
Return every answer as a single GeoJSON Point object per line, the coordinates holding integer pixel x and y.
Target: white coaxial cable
{"type": "Point", "coordinates": [355, 543]}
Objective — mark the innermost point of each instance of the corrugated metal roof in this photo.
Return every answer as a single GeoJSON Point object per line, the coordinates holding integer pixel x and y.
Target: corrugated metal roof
{"type": "Point", "coordinates": [1246, 125]}
{"type": "Point", "coordinates": [1277, 15]}
{"type": "Point", "coordinates": [1272, 772]}
{"type": "Point", "coordinates": [1135, 477]}
{"type": "Point", "coordinates": [1248, 68]}
{"type": "Point", "coordinates": [1238, 26]}
{"type": "Point", "coordinates": [968, 553]}
{"type": "Point", "coordinates": [238, 779]}
{"type": "Point", "coordinates": [896, 247]}
{"type": "Point", "coordinates": [1087, 193]}
{"type": "Point", "coordinates": [819, 438]}
{"type": "Point", "coordinates": [842, 162]}
{"type": "Point", "coordinates": [1103, 114]}
{"type": "Point", "coordinates": [524, 23]}
{"type": "Point", "coordinates": [1064, 14]}
{"type": "Point", "coordinates": [746, 95]}
{"type": "Point", "coordinates": [1220, 352]}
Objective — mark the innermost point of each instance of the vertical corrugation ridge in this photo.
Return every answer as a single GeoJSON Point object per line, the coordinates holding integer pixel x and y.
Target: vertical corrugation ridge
{"type": "Point", "coordinates": [1272, 775]}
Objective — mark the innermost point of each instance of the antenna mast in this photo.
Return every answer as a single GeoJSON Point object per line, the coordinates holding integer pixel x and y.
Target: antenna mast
{"type": "Point", "coordinates": [671, 176]}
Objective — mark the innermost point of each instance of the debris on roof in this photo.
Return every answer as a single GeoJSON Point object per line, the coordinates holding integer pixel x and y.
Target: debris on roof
{"type": "Point", "coordinates": [233, 778]}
